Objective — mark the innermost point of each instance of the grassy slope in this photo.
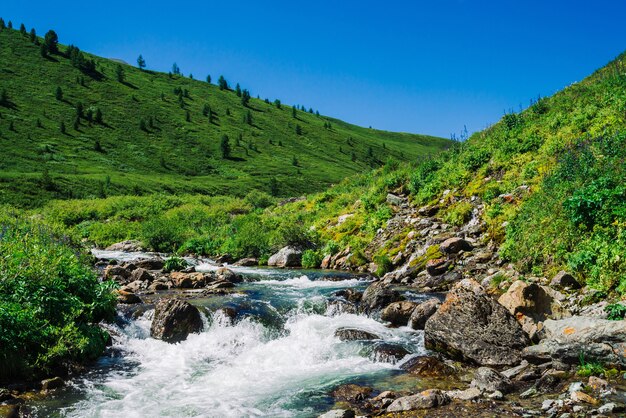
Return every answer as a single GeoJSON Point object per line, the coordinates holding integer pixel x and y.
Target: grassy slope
{"type": "Point", "coordinates": [176, 155]}
{"type": "Point", "coordinates": [569, 150]}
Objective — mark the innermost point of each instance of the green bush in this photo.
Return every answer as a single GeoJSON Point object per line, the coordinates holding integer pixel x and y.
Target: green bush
{"type": "Point", "coordinates": [384, 265]}
{"type": "Point", "coordinates": [615, 311]}
{"type": "Point", "coordinates": [174, 263]}
{"type": "Point", "coordinates": [50, 300]}
{"type": "Point", "coordinates": [163, 235]}
{"type": "Point", "coordinates": [311, 259]}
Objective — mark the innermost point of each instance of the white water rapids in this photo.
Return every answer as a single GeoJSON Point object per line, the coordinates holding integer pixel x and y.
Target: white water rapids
{"type": "Point", "coordinates": [249, 368]}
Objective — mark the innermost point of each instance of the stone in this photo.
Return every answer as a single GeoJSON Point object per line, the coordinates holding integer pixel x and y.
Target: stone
{"type": "Point", "coordinates": [351, 393]}
{"type": "Point", "coordinates": [52, 383]}
{"type": "Point", "coordinates": [565, 280]}
{"type": "Point", "coordinates": [224, 259]}
{"type": "Point", "coordinates": [338, 413]}
{"type": "Point", "coordinates": [174, 320]}
{"type": "Point", "coordinates": [422, 312]}
{"type": "Point", "coordinates": [158, 285]}
{"type": "Point", "coordinates": [469, 394]}
{"type": "Point", "coordinates": [517, 370]}
{"type": "Point", "coordinates": [528, 393]}
{"type": "Point", "coordinates": [226, 274]}
{"type": "Point", "coordinates": [609, 408]}
{"type": "Point", "coordinates": [189, 280]}
{"type": "Point", "coordinates": [565, 339]}
{"type": "Point", "coordinates": [378, 295]}
{"type": "Point", "coordinates": [117, 273]}
{"type": "Point", "coordinates": [142, 275]}
{"type": "Point", "coordinates": [582, 397]}
{"type": "Point", "coordinates": [470, 325]}
{"type": "Point", "coordinates": [247, 262]}
{"type": "Point", "coordinates": [597, 384]}
{"type": "Point", "coordinates": [286, 257]}
{"type": "Point", "coordinates": [424, 400]}
{"type": "Point", "coordinates": [428, 210]}
{"type": "Point", "coordinates": [497, 395]}
{"type": "Point", "coordinates": [398, 313]}
{"type": "Point", "coordinates": [437, 266]}
{"type": "Point", "coordinates": [427, 366]}
{"type": "Point", "coordinates": [343, 218]}
{"type": "Point", "coordinates": [455, 245]}
{"type": "Point", "coordinates": [548, 383]}
{"type": "Point", "coordinates": [353, 334]}
{"type": "Point", "coordinates": [488, 379]}
{"type": "Point", "coordinates": [151, 264]}
{"type": "Point", "coordinates": [394, 200]}
{"type": "Point", "coordinates": [126, 246]}
{"type": "Point", "coordinates": [125, 296]}
{"type": "Point", "coordinates": [388, 353]}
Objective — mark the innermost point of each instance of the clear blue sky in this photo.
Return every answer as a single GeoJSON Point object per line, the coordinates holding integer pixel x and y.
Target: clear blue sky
{"type": "Point", "coordinates": [417, 66]}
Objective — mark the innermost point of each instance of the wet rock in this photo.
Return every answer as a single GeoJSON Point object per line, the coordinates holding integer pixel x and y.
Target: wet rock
{"type": "Point", "coordinates": [135, 286]}
{"type": "Point", "coordinates": [427, 366]}
{"type": "Point", "coordinates": [351, 295]}
{"type": "Point", "coordinates": [10, 411]}
{"type": "Point", "coordinates": [455, 245]}
{"type": "Point", "coordinates": [469, 394]}
{"type": "Point", "coordinates": [514, 372]}
{"type": "Point", "coordinates": [610, 408]}
{"type": "Point", "coordinates": [151, 264]}
{"type": "Point", "coordinates": [220, 284]}
{"type": "Point", "coordinates": [338, 413]}
{"type": "Point", "coordinates": [286, 257]}
{"type": "Point", "coordinates": [470, 325]}
{"type": "Point", "coordinates": [388, 353]}
{"type": "Point", "coordinates": [226, 274]}
{"type": "Point", "coordinates": [247, 262]}
{"type": "Point", "coordinates": [487, 379]}
{"type": "Point", "coordinates": [158, 285]}
{"type": "Point", "coordinates": [126, 246]}
{"type": "Point", "coordinates": [424, 400]}
{"type": "Point", "coordinates": [437, 266]}
{"type": "Point", "coordinates": [354, 334]}
{"type": "Point", "coordinates": [378, 295]}
{"type": "Point", "coordinates": [565, 339]}
{"type": "Point", "coordinates": [117, 273]}
{"type": "Point", "coordinates": [174, 320]}
{"type": "Point", "coordinates": [422, 312]}
{"type": "Point", "coordinates": [351, 393]}
{"type": "Point", "coordinates": [5, 395]}
{"type": "Point", "coordinates": [53, 383]}
{"type": "Point", "coordinates": [565, 280]}
{"type": "Point", "coordinates": [142, 275]}
{"type": "Point", "coordinates": [548, 383]}
{"type": "Point", "coordinates": [226, 258]}
{"type": "Point", "coordinates": [398, 313]}
{"type": "Point", "coordinates": [126, 296]}
{"type": "Point", "coordinates": [189, 280]}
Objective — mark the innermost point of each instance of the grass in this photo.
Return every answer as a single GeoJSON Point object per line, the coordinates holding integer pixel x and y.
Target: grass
{"type": "Point", "coordinates": [156, 135]}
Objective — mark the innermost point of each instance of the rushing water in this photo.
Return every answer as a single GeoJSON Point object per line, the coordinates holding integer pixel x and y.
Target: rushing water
{"type": "Point", "coordinates": [279, 358]}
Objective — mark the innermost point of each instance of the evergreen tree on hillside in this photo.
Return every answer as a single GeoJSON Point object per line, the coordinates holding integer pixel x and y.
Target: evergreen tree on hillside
{"type": "Point", "coordinates": [175, 69]}
{"type": "Point", "coordinates": [2, 24]}
{"type": "Point", "coordinates": [98, 116]}
{"type": "Point", "coordinates": [10, 25]}
{"type": "Point", "coordinates": [43, 50]}
{"type": "Point", "coordinates": [225, 146]}
{"type": "Point", "coordinates": [245, 97]}
{"type": "Point", "coordinates": [51, 40]}
{"type": "Point", "coordinates": [33, 36]}
{"type": "Point", "coordinates": [141, 63]}
{"type": "Point", "coordinates": [119, 73]}
{"type": "Point", "coordinates": [293, 112]}
{"type": "Point", "coordinates": [298, 130]}
{"type": "Point", "coordinates": [277, 104]}
{"type": "Point", "coordinates": [238, 90]}
{"type": "Point", "coordinates": [248, 118]}
{"type": "Point", "coordinates": [4, 98]}
{"type": "Point", "coordinates": [208, 79]}
{"type": "Point", "coordinates": [205, 110]}
{"type": "Point", "coordinates": [23, 29]}
{"type": "Point", "coordinates": [273, 186]}
{"type": "Point", "coordinates": [222, 83]}
{"type": "Point", "coordinates": [58, 94]}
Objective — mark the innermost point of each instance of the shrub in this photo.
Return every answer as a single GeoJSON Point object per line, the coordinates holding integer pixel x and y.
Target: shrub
{"type": "Point", "coordinates": [258, 199]}
{"type": "Point", "coordinates": [615, 311]}
{"type": "Point", "coordinates": [50, 301]}
{"type": "Point", "coordinates": [459, 213]}
{"type": "Point", "coordinates": [174, 263]}
{"type": "Point", "coordinates": [589, 368]}
{"type": "Point", "coordinates": [384, 265]}
{"type": "Point", "coordinates": [162, 234]}
{"type": "Point", "coordinates": [311, 259]}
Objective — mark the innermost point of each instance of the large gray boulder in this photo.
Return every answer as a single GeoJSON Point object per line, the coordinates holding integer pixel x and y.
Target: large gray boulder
{"type": "Point", "coordinates": [378, 295]}
{"type": "Point", "coordinates": [286, 257]}
{"type": "Point", "coordinates": [472, 326]}
{"type": "Point", "coordinates": [398, 313]}
{"type": "Point", "coordinates": [174, 320]}
{"type": "Point", "coordinates": [126, 246]}
{"type": "Point", "coordinates": [424, 400]}
{"type": "Point", "coordinates": [566, 339]}
{"type": "Point", "coordinates": [490, 380]}
{"type": "Point", "coordinates": [423, 311]}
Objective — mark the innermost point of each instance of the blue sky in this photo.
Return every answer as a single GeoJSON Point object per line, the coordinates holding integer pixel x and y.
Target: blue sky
{"type": "Point", "coordinates": [416, 66]}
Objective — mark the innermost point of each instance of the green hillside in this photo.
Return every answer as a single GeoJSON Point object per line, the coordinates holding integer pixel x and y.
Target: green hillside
{"type": "Point", "coordinates": [163, 132]}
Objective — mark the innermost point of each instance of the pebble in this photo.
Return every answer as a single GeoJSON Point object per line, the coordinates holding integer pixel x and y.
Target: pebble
{"type": "Point", "coordinates": [529, 393]}
{"type": "Point", "coordinates": [607, 408]}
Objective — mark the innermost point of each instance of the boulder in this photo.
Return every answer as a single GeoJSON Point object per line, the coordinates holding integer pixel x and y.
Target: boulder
{"type": "Point", "coordinates": [286, 257]}
{"type": "Point", "coordinates": [247, 262]}
{"type": "Point", "coordinates": [394, 200]}
{"type": "Point", "coordinates": [351, 393]}
{"type": "Point", "coordinates": [487, 379]}
{"type": "Point", "coordinates": [52, 383]}
{"type": "Point", "coordinates": [469, 394]}
{"type": "Point", "coordinates": [338, 413]}
{"type": "Point", "coordinates": [427, 366]}
{"type": "Point", "coordinates": [422, 312]}
{"type": "Point", "coordinates": [226, 274]}
{"type": "Point", "coordinates": [126, 296]}
{"type": "Point", "coordinates": [398, 313]}
{"type": "Point", "coordinates": [531, 304]}
{"type": "Point", "coordinates": [565, 280]}
{"type": "Point", "coordinates": [378, 295]}
{"type": "Point", "coordinates": [565, 339]}
{"type": "Point", "coordinates": [437, 266]}
{"type": "Point", "coordinates": [116, 273]}
{"type": "Point", "coordinates": [190, 280]}
{"type": "Point", "coordinates": [126, 246]}
{"type": "Point", "coordinates": [353, 334]}
{"type": "Point", "coordinates": [424, 400]}
{"type": "Point", "coordinates": [388, 353]}
{"type": "Point", "coordinates": [455, 245]}
{"type": "Point", "coordinates": [142, 275]}
{"type": "Point", "coordinates": [225, 259]}
{"type": "Point", "coordinates": [470, 325]}
{"type": "Point", "coordinates": [174, 320]}
{"type": "Point", "coordinates": [151, 264]}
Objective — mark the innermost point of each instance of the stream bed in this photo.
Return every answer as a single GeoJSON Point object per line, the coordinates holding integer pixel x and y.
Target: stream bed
{"type": "Point", "coordinates": [279, 357]}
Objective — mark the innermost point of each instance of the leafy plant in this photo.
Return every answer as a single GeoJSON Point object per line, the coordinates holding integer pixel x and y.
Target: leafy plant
{"type": "Point", "coordinates": [589, 368]}
{"type": "Point", "coordinates": [311, 259]}
{"type": "Point", "coordinates": [615, 311]}
{"type": "Point", "coordinates": [174, 263]}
